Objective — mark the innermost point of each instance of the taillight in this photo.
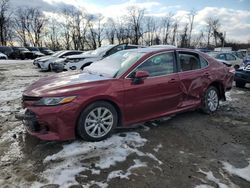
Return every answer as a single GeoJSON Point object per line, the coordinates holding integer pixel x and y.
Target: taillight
{"type": "Point", "coordinates": [232, 70]}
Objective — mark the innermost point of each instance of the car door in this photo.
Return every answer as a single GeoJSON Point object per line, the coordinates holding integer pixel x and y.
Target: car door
{"type": "Point", "coordinates": [232, 59]}
{"type": "Point", "coordinates": [194, 77]}
{"type": "Point", "coordinates": [156, 95]}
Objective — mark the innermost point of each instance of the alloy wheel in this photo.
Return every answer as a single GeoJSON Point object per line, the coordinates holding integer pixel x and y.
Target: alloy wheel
{"type": "Point", "coordinates": [99, 122]}
{"type": "Point", "coordinates": [213, 100]}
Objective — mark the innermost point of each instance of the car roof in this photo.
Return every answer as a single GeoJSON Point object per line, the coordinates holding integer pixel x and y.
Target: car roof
{"type": "Point", "coordinates": [149, 50]}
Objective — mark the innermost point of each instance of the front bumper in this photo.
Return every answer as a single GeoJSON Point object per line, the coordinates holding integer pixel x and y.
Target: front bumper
{"type": "Point", "coordinates": [51, 123]}
{"type": "Point", "coordinates": [58, 67]}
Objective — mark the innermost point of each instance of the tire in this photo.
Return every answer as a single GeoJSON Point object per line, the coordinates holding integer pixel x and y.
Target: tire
{"type": "Point", "coordinates": [240, 84]}
{"type": "Point", "coordinates": [210, 100]}
{"type": "Point", "coordinates": [236, 67]}
{"type": "Point", "coordinates": [91, 125]}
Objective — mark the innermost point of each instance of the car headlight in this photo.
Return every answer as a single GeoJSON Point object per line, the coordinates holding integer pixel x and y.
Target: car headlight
{"type": "Point", "coordinates": [53, 101]}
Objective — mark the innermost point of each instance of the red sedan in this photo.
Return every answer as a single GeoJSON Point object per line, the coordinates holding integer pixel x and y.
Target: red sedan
{"type": "Point", "coordinates": [128, 87]}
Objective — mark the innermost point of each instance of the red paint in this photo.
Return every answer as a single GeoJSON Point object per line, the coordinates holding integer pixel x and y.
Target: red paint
{"type": "Point", "coordinates": [151, 99]}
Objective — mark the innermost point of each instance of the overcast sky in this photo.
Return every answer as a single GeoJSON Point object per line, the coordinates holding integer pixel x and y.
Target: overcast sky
{"type": "Point", "coordinates": [234, 14]}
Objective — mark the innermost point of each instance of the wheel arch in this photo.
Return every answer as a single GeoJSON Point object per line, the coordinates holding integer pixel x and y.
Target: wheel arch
{"type": "Point", "coordinates": [220, 87]}
{"type": "Point", "coordinates": [86, 64]}
{"type": "Point", "coordinates": [108, 100]}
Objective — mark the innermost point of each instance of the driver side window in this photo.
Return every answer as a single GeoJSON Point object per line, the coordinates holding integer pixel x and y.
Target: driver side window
{"type": "Point", "coordinates": [158, 65]}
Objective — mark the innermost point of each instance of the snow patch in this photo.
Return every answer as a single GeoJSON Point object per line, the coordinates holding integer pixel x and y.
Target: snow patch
{"type": "Point", "coordinates": [125, 175]}
{"type": "Point", "coordinates": [210, 177]}
{"type": "Point", "coordinates": [243, 173]}
{"type": "Point", "coordinates": [158, 147]}
{"type": "Point", "coordinates": [75, 158]}
{"type": "Point", "coordinates": [203, 186]}
{"type": "Point", "coordinates": [11, 94]}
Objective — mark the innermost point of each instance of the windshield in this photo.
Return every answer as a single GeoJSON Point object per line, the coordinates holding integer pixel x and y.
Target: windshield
{"type": "Point", "coordinates": [57, 54]}
{"type": "Point", "coordinates": [114, 65]}
{"type": "Point", "coordinates": [101, 49]}
{"type": "Point", "coordinates": [33, 49]}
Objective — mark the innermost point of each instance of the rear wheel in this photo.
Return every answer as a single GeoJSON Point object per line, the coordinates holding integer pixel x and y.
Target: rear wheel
{"type": "Point", "coordinates": [97, 121]}
{"type": "Point", "coordinates": [211, 100]}
{"type": "Point", "coordinates": [240, 84]}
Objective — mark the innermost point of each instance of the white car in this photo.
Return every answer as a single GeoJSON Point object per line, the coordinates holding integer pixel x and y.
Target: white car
{"type": "Point", "coordinates": [85, 59]}
{"type": "Point", "coordinates": [227, 57]}
{"type": "Point", "coordinates": [45, 63]}
{"type": "Point", "coordinates": [3, 56]}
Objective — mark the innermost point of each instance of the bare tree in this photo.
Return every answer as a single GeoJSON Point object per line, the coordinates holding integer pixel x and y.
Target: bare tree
{"type": "Point", "coordinates": [150, 33]}
{"type": "Point", "coordinates": [110, 30]}
{"type": "Point", "coordinates": [184, 37]}
{"type": "Point", "coordinates": [4, 21]}
{"type": "Point", "coordinates": [191, 17]}
{"type": "Point", "coordinates": [175, 29]}
{"type": "Point", "coordinates": [166, 26]}
{"type": "Point", "coordinates": [135, 18]}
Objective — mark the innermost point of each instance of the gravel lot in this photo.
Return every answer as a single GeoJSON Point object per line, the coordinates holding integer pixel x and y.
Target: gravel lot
{"type": "Point", "coordinates": [188, 150]}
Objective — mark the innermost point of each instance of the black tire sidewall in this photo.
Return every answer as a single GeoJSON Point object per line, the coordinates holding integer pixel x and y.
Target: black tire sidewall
{"type": "Point", "coordinates": [81, 122]}
{"type": "Point", "coordinates": [205, 107]}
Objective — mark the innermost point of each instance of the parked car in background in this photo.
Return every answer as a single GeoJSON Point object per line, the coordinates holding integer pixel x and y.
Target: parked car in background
{"type": "Point", "coordinates": [238, 54]}
{"type": "Point", "coordinates": [243, 52]}
{"type": "Point", "coordinates": [227, 58]}
{"type": "Point", "coordinates": [163, 46]}
{"type": "Point", "coordinates": [60, 66]}
{"type": "Point", "coordinates": [21, 53]}
{"type": "Point", "coordinates": [36, 52]}
{"type": "Point", "coordinates": [45, 63]}
{"type": "Point", "coordinates": [46, 51]}
{"type": "Point", "coordinates": [6, 50]}
{"type": "Point", "coordinates": [3, 56]}
{"type": "Point", "coordinates": [74, 63]}
{"type": "Point", "coordinates": [205, 50]}
{"type": "Point", "coordinates": [242, 75]}
{"type": "Point", "coordinates": [128, 87]}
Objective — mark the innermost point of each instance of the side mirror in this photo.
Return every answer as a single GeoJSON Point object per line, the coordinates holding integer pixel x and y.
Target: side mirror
{"type": "Point", "coordinates": [140, 76]}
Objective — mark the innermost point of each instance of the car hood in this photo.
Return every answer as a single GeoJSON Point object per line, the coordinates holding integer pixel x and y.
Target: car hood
{"type": "Point", "coordinates": [44, 58]}
{"type": "Point", "coordinates": [61, 83]}
{"type": "Point", "coordinates": [81, 56]}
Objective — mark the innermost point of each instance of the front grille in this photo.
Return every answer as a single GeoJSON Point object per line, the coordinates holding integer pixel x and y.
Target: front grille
{"type": "Point", "coordinates": [30, 98]}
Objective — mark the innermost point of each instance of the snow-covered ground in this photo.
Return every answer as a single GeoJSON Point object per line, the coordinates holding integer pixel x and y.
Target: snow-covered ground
{"type": "Point", "coordinates": [120, 157]}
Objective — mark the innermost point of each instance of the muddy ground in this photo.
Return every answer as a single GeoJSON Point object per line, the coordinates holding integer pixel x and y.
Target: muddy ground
{"type": "Point", "coordinates": [188, 150]}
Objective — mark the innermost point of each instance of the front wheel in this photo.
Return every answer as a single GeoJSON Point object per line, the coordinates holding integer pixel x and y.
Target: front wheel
{"type": "Point", "coordinates": [210, 100]}
{"type": "Point", "coordinates": [97, 121]}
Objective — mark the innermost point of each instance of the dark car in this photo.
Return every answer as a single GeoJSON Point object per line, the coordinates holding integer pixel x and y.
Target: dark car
{"type": "Point", "coordinates": [36, 52]}
{"type": "Point", "coordinates": [123, 89]}
{"type": "Point", "coordinates": [21, 53]}
{"type": "Point", "coordinates": [46, 51]}
{"type": "Point", "coordinates": [6, 50]}
{"type": "Point", "coordinates": [242, 75]}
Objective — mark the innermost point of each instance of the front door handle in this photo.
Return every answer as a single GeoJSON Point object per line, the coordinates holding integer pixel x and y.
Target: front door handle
{"type": "Point", "coordinates": [172, 80]}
